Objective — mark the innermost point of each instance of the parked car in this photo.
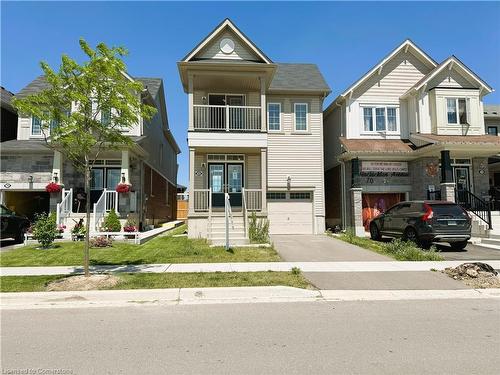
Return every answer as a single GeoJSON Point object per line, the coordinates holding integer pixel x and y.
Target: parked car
{"type": "Point", "coordinates": [424, 222]}
{"type": "Point", "coordinates": [12, 225]}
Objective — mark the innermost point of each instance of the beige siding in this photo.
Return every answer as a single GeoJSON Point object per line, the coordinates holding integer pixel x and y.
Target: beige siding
{"type": "Point", "coordinates": [24, 128]}
{"type": "Point", "coordinates": [332, 131]}
{"type": "Point", "coordinates": [241, 52]}
{"type": "Point", "coordinates": [200, 179]}
{"type": "Point", "coordinates": [450, 78]}
{"type": "Point", "coordinates": [299, 156]}
{"type": "Point", "coordinates": [252, 178]}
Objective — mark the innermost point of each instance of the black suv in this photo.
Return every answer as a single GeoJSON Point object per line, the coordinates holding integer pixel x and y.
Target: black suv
{"type": "Point", "coordinates": [12, 225]}
{"type": "Point", "coordinates": [424, 222]}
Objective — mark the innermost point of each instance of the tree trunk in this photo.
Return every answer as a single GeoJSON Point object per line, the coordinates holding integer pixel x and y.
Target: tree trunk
{"type": "Point", "coordinates": [86, 250]}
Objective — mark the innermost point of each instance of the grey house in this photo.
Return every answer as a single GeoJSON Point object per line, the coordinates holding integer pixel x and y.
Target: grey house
{"type": "Point", "coordinates": [149, 166]}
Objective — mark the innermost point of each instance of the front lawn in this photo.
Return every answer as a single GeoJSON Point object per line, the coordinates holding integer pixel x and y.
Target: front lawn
{"type": "Point", "coordinates": [397, 249]}
{"type": "Point", "coordinates": [168, 280]}
{"type": "Point", "coordinates": [162, 249]}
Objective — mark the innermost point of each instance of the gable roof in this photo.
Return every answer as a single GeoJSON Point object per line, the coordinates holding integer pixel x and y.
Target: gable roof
{"type": "Point", "coordinates": [450, 63]}
{"type": "Point", "coordinates": [227, 23]}
{"type": "Point", "coordinates": [406, 45]}
{"type": "Point", "coordinates": [298, 77]}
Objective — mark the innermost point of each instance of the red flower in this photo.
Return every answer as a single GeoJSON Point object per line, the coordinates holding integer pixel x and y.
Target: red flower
{"type": "Point", "coordinates": [52, 187]}
{"type": "Point", "coordinates": [129, 228]}
{"type": "Point", "coordinates": [123, 188]}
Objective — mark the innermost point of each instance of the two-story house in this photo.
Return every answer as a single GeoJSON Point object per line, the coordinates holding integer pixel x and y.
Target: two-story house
{"type": "Point", "coordinates": [410, 128]}
{"type": "Point", "coordinates": [492, 127]}
{"type": "Point", "coordinates": [255, 136]}
{"type": "Point", "coordinates": [149, 166]}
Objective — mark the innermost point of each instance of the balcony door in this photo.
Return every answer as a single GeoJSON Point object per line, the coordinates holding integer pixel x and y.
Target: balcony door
{"type": "Point", "coordinates": [226, 178]}
{"type": "Point", "coordinates": [218, 114]}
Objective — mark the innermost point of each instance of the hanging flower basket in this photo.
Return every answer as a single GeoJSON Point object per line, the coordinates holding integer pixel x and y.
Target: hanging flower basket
{"type": "Point", "coordinates": [123, 188]}
{"type": "Point", "coordinates": [53, 187]}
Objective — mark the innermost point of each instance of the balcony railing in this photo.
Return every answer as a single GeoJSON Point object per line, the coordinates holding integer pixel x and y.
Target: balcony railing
{"type": "Point", "coordinates": [226, 118]}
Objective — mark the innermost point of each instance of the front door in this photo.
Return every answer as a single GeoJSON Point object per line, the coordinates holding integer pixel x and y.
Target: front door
{"type": "Point", "coordinates": [226, 178]}
{"type": "Point", "coordinates": [216, 182]}
{"type": "Point", "coordinates": [235, 183]}
{"type": "Point", "coordinates": [462, 179]}
{"type": "Point", "coordinates": [103, 178]}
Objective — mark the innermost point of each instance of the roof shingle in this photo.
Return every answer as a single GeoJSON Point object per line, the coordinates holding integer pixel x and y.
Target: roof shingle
{"type": "Point", "coordinates": [298, 77]}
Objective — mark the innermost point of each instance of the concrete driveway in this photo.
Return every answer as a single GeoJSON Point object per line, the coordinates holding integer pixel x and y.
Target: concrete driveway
{"type": "Point", "coordinates": [322, 248]}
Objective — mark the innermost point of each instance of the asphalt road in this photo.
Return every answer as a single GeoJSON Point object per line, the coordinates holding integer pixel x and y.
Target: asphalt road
{"type": "Point", "coordinates": [399, 337]}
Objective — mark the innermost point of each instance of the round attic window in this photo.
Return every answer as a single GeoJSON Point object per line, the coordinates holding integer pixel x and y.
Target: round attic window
{"type": "Point", "coordinates": [227, 46]}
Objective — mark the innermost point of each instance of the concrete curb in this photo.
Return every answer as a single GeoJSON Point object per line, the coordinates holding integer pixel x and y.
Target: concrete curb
{"type": "Point", "coordinates": [375, 266]}
{"type": "Point", "coordinates": [192, 296]}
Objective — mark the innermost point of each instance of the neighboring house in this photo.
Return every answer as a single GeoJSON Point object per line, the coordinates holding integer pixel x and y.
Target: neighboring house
{"type": "Point", "coordinates": [254, 133]}
{"type": "Point", "coordinates": [408, 129]}
{"type": "Point", "coordinates": [149, 166]}
{"type": "Point", "coordinates": [8, 117]}
{"type": "Point", "coordinates": [492, 127]}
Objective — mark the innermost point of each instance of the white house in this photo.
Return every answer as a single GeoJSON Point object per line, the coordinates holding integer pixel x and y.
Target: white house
{"type": "Point", "coordinates": [255, 133]}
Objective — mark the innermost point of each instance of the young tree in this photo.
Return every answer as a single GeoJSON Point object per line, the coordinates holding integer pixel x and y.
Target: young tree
{"type": "Point", "coordinates": [85, 109]}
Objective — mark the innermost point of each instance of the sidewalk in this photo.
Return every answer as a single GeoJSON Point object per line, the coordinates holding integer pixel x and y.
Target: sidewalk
{"type": "Point", "coordinates": [323, 267]}
{"type": "Point", "coordinates": [189, 296]}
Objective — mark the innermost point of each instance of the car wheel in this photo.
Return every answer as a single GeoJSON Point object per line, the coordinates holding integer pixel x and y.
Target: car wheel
{"type": "Point", "coordinates": [410, 235]}
{"type": "Point", "coordinates": [20, 235]}
{"type": "Point", "coordinates": [374, 232]}
{"type": "Point", "coordinates": [458, 245]}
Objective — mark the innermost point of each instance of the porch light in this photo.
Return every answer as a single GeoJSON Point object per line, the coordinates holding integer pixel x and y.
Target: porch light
{"type": "Point", "coordinates": [123, 177]}
{"type": "Point", "coordinates": [56, 178]}
{"type": "Point", "coordinates": [288, 182]}
{"type": "Point", "coordinates": [30, 179]}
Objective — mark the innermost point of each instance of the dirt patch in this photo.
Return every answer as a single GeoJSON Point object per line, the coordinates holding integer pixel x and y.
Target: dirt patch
{"type": "Point", "coordinates": [83, 283]}
{"type": "Point", "coordinates": [476, 275]}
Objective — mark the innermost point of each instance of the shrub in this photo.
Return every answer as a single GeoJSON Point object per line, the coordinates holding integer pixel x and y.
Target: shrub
{"type": "Point", "coordinates": [258, 229]}
{"type": "Point", "coordinates": [101, 241]}
{"type": "Point", "coordinates": [296, 271]}
{"type": "Point", "coordinates": [111, 222]}
{"type": "Point", "coordinates": [45, 230]}
{"type": "Point", "coordinates": [130, 225]}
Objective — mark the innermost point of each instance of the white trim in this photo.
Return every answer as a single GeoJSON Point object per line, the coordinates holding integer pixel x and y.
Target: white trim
{"type": "Point", "coordinates": [41, 135]}
{"type": "Point", "coordinates": [451, 60]}
{"type": "Point", "coordinates": [457, 110]}
{"type": "Point", "coordinates": [363, 131]}
{"type": "Point", "coordinates": [404, 45]}
{"type": "Point", "coordinates": [214, 33]}
{"type": "Point", "coordinates": [280, 117]}
{"type": "Point", "coordinates": [295, 118]}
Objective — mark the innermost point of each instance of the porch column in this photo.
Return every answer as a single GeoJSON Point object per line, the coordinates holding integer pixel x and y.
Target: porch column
{"type": "Point", "coordinates": [190, 102]}
{"type": "Point", "coordinates": [191, 181]}
{"type": "Point", "coordinates": [57, 168]}
{"type": "Point", "coordinates": [263, 178]}
{"type": "Point", "coordinates": [447, 183]}
{"type": "Point", "coordinates": [357, 211]}
{"type": "Point", "coordinates": [124, 177]}
{"type": "Point", "coordinates": [263, 109]}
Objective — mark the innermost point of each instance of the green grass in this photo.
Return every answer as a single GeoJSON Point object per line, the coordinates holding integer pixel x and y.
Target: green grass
{"type": "Point", "coordinates": [397, 249]}
{"type": "Point", "coordinates": [168, 280]}
{"type": "Point", "coordinates": [162, 249]}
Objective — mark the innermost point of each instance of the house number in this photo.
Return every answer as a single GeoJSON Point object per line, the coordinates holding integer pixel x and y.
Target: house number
{"type": "Point", "coordinates": [369, 180]}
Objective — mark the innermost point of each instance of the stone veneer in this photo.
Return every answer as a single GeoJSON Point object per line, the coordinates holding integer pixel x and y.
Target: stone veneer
{"type": "Point", "coordinates": [420, 178]}
{"type": "Point", "coordinates": [18, 168]}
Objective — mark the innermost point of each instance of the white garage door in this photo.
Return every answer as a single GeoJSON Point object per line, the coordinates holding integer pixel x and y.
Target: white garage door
{"type": "Point", "coordinates": [290, 213]}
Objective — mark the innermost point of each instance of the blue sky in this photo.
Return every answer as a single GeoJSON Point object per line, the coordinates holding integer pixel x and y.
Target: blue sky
{"type": "Point", "coordinates": [344, 39]}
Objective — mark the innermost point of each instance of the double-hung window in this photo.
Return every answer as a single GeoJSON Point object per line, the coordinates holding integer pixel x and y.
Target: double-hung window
{"type": "Point", "coordinates": [457, 110]}
{"type": "Point", "coordinates": [36, 126]}
{"type": "Point", "coordinates": [106, 116]}
{"type": "Point", "coordinates": [300, 110]}
{"type": "Point", "coordinates": [380, 119]}
{"type": "Point", "coordinates": [274, 116]}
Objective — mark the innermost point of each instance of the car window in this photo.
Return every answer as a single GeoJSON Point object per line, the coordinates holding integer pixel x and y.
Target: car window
{"type": "Point", "coordinates": [447, 209]}
{"type": "Point", "coordinates": [404, 208]}
{"type": "Point", "coordinates": [392, 210]}
{"type": "Point", "coordinates": [4, 210]}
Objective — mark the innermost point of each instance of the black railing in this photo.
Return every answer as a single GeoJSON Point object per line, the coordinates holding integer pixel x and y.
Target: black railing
{"type": "Point", "coordinates": [473, 203]}
{"type": "Point", "coordinates": [434, 195]}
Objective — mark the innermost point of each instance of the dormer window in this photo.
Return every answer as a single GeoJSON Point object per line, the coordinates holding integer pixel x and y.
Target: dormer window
{"type": "Point", "coordinates": [457, 111]}
{"type": "Point", "coordinates": [380, 119]}
{"type": "Point", "coordinates": [36, 126]}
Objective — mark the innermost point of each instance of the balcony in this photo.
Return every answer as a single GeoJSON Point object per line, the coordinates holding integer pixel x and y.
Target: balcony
{"type": "Point", "coordinates": [227, 118]}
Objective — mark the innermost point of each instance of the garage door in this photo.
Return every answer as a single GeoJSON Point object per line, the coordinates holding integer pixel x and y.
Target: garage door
{"type": "Point", "coordinates": [290, 213]}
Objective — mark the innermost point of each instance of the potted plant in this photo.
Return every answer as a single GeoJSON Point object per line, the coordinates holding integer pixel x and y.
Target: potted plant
{"type": "Point", "coordinates": [123, 188]}
{"type": "Point", "coordinates": [53, 187]}
{"type": "Point", "coordinates": [60, 229]}
{"type": "Point", "coordinates": [130, 226]}
{"type": "Point", "coordinates": [78, 231]}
